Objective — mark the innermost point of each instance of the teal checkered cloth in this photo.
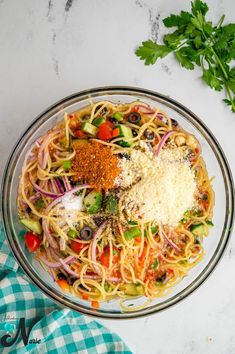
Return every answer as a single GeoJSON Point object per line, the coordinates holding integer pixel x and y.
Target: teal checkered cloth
{"type": "Point", "coordinates": [55, 329]}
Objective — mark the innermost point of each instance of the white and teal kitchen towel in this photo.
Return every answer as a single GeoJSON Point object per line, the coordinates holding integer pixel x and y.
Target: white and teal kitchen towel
{"type": "Point", "coordinates": [32, 323]}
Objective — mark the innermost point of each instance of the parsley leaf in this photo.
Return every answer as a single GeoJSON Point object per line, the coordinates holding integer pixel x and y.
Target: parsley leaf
{"type": "Point", "coordinates": [229, 29]}
{"type": "Point", "coordinates": [197, 41]}
{"type": "Point", "coordinates": [150, 52]}
{"type": "Point", "coordinates": [199, 7]}
{"type": "Point", "coordinates": [184, 60]}
{"type": "Point", "coordinates": [172, 40]}
{"type": "Point", "coordinates": [212, 80]}
{"type": "Point", "coordinates": [231, 84]}
{"type": "Point", "coordinates": [178, 20]}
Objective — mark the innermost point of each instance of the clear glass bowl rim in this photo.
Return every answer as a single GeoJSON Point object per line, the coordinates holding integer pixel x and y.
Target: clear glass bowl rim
{"type": "Point", "coordinates": [227, 175]}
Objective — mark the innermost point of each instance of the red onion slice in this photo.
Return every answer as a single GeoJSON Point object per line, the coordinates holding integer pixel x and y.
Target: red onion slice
{"type": "Point", "coordinates": [42, 191]}
{"type": "Point", "coordinates": [170, 242]}
{"type": "Point", "coordinates": [144, 109]}
{"type": "Point", "coordinates": [66, 183]}
{"type": "Point", "coordinates": [161, 117]}
{"type": "Point", "coordinates": [163, 140]}
{"type": "Point", "coordinates": [53, 186]}
{"type": "Point", "coordinates": [46, 231]}
{"type": "Point", "coordinates": [42, 154]}
{"type": "Point", "coordinates": [71, 272]}
{"type": "Point", "coordinates": [59, 186]}
{"type": "Point", "coordinates": [67, 269]}
{"type": "Point", "coordinates": [49, 264]}
{"type": "Point", "coordinates": [55, 254]}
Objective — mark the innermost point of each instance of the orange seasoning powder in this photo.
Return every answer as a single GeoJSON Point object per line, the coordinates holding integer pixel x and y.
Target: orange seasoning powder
{"type": "Point", "coordinates": [95, 164]}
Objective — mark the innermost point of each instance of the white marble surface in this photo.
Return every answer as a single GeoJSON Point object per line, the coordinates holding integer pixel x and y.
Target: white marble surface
{"type": "Point", "coordinates": [50, 49]}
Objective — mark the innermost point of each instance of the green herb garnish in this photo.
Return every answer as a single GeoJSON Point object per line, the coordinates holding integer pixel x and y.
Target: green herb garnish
{"type": "Point", "coordinates": [130, 222]}
{"type": "Point", "coordinates": [197, 41]}
{"type": "Point", "coordinates": [72, 233]}
{"type": "Point", "coordinates": [39, 203]}
{"type": "Point", "coordinates": [106, 287]}
{"type": "Point", "coordinates": [155, 264]}
{"type": "Point", "coordinates": [66, 165]}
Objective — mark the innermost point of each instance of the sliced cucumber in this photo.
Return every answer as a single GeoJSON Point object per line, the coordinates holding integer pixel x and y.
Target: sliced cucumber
{"type": "Point", "coordinates": [33, 225]}
{"type": "Point", "coordinates": [89, 128]}
{"type": "Point", "coordinates": [201, 229]}
{"type": "Point", "coordinates": [93, 202]}
{"type": "Point", "coordinates": [132, 233]}
{"type": "Point", "coordinates": [123, 143]}
{"type": "Point", "coordinates": [111, 205]}
{"type": "Point", "coordinates": [139, 289]}
{"type": "Point", "coordinates": [98, 121]}
{"type": "Point", "coordinates": [118, 116]}
{"type": "Point", "coordinates": [133, 289]}
{"type": "Point", "coordinates": [72, 233]}
{"type": "Point", "coordinates": [125, 132]}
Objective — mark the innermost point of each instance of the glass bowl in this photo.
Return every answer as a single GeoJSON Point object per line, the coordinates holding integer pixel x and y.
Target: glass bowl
{"type": "Point", "coordinates": [216, 164]}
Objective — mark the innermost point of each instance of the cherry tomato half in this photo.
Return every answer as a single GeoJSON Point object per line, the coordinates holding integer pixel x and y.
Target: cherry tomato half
{"type": "Point", "coordinates": [104, 258]}
{"type": "Point", "coordinates": [32, 241]}
{"type": "Point", "coordinates": [77, 246]}
{"type": "Point", "coordinates": [80, 134]}
{"type": "Point", "coordinates": [105, 131]}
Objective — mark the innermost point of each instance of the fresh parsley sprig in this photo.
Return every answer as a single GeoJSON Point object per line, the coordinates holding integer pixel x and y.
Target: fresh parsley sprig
{"type": "Point", "coordinates": [197, 42]}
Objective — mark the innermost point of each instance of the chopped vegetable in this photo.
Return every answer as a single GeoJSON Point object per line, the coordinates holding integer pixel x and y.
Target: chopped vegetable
{"type": "Point", "coordinates": [186, 217]}
{"type": "Point", "coordinates": [80, 134]}
{"type": "Point", "coordinates": [130, 222]}
{"type": "Point", "coordinates": [155, 264]}
{"type": "Point", "coordinates": [77, 246]}
{"type": "Point", "coordinates": [86, 233]}
{"type": "Point", "coordinates": [154, 230]}
{"type": "Point", "coordinates": [95, 304]}
{"type": "Point", "coordinates": [106, 287]}
{"type": "Point", "coordinates": [196, 42]}
{"type": "Point", "coordinates": [63, 284]}
{"type": "Point", "coordinates": [98, 121]}
{"type": "Point", "coordinates": [201, 229]}
{"type": "Point", "coordinates": [104, 258]}
{"type": "Point", "coordinates": [93, 202]}
{"type": "Point", "coordinates": [105, 131]}
{"type": "Point", "coordinates": [116, 132]}
{"type": "Point", "coordinates": [111, 206]}
{"type": "Point", "coordinates": [32, 241]}
{"type": "Point", "coordinates": [89, 129]}
{"type": "Point", "coordinates": [125, 132]}
{"type": "Point", "coordinates": [33, 225]}
{"type": "Point", "coordinates": [133, 289]}
{"type": "Point", "coordinates": [85, 296]}
{"type": "Point", "coordinates": [118, 116]}
{"type": "Point", "coordinates": [132, 233]}
{"type": "Point", "coordinates": [40, 203]}
{"type": "Point", "coordinates": [66, 165]}
{"type": "Point", "coordinates": [72, 233]}
{"type": "Point", "coordinates": [134, 118]}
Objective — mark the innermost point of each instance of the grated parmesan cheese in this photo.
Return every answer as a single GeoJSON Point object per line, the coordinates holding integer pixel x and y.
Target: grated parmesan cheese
{"type": "Point", "coordinates": [160, 189]}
